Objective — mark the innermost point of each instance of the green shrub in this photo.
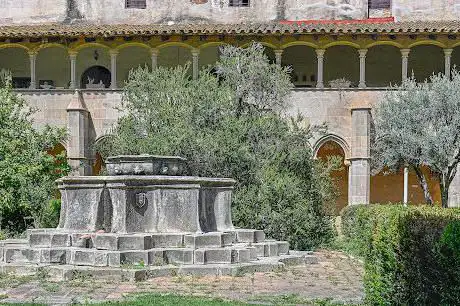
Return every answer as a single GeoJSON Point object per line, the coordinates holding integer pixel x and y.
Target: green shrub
{"type": "Point", "coordinates": [412, 254]}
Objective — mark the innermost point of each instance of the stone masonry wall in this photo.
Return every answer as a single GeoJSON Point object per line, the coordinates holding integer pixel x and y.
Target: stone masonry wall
{"type": "Point", "coordinates": [213, 11]}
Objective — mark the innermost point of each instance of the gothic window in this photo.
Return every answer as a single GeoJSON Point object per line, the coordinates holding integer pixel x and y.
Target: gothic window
{"type": "Point", "coordinates": [379, 4]}
{"type": "Point", "coordinates": [240, 3]}
{"type": "Point", "coordinates": [139, 4]}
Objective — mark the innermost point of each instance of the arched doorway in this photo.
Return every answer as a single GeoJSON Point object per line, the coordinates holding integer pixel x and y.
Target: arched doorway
{"type": "Point", "coordinates": [97, 75]}
{"type": "Point", "coordinates": [339, 177]}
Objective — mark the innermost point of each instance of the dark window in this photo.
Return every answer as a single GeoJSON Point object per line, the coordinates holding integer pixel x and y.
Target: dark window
{"type": "Point", "coordinates": [379, 4]}
{"type": "Point", "coordinates": [139, 4]}
{"type": "Point", "coordinates": [238, 3]}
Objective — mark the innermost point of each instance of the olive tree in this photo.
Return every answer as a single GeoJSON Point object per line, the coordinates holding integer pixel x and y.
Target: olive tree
{"type": "Point", "coordinates": [229, 122]}
{"type": "Point", "coordinates": [418, 124]}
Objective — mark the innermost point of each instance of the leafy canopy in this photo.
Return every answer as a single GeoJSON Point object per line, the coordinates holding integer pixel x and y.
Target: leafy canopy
{"type": "Point", "coordinates": [418, 124]}
{"type": "Point", "coordinates": [27, 171]}
{"type": "Point", "coordinates": [232, 125]}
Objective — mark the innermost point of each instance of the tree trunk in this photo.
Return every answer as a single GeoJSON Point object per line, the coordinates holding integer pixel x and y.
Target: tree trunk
{"type": "Point", "coordinates": [424, 184]}
{"type": "Point", "coordinates": [444, 187]}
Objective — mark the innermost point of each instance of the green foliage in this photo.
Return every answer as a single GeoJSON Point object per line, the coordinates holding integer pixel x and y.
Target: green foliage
{"type": "Point", "coordinates": [27, 171]}
{"type": "Point", "coordinates": [412, 254]}
{"type": "Point", "coordinates": [225, 131]}
{"type": "Point", "coordinates": [418, 124]}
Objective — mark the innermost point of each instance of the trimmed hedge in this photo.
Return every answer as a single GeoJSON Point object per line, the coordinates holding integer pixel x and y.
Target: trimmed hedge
{"type": "Point", "coordinates": [411, 254]}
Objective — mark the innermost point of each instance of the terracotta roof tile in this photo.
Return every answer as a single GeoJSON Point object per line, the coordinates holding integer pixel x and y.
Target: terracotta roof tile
{"type": "Point", "coordinates": [191, 29]}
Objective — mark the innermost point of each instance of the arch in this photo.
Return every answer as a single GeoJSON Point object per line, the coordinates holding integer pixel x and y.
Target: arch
{"type": "Point", "coordinates": [341, 43]}
{"type": "Point", "coordinates": [424, 60]}
{"type": "Point", "coordinates": [174, 44]}
{"type": "Point", "coordinates": [300, 43]}
{"type": "Point", "coordinates": [303, 62]}
{"type": "Point", "coordinates": [129, 58]}
{"type": "Point", "coordinates": [133, 44]}
{"type": "Point", "coordinates": [12, 45]}
{"type": "Point", "coordinates": [212, 44]}
{"type": "Point", "coordinates": [89, 45]}
{"type": "Point", "coordinates": [384, 43]}
{"type": "Point", "coordinates": [455, 44]}
{"type": "Point", "coordinates": [341, 62]}
{"type": "Point", "coordinates": [383, 65]}
{"type": "Point", "coordinates": [50, 45]}
{"type": "Point", "coordinates": [334, 138]}
{"type": "Point", "coordinates": [53, 67]}
{"type": "Point", "coordinates": [16, 61]}
{"type": "Point", "coordinates": [427, 42]}
{"type": "Point", "coordinates": [265, 44]}
{"type": "Point", "coordinates": [98, 74]}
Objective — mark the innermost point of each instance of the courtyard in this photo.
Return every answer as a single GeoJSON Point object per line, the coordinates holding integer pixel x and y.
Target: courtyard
{"type": "Point", "coordinates": [335, 279]}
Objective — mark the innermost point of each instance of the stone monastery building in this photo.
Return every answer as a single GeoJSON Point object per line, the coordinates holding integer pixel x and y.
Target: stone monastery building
{"type": "Point", "coordinates": [53, 47]}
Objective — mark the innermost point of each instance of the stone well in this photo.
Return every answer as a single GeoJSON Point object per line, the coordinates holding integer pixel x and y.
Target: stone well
{"type": "Point", "coordinates": [146, 218]}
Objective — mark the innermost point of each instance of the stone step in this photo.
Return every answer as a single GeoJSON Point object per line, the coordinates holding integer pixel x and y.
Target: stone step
{"type": "Point", "coordinates": [249, 235]}
{"type": "Point", "coordinates": [213, 239]}
{"type": "Point", "coordinates": [49, 240]}
{"type": "Point", "coordinates": [266, 249]}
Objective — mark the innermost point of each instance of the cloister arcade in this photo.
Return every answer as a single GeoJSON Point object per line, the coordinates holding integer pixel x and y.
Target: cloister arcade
{"type": "Point", "coordinates": [54, 66]}
{"type": "Point", "coordinates": [100, 67]}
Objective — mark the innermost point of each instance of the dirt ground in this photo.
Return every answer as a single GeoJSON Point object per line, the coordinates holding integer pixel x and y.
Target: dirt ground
{"type": "Point", "coordinates": [336, 278]}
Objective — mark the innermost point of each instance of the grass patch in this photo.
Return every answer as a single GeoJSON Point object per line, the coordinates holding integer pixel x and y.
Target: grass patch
{"type": "Point", "coordinates": [171, 299]}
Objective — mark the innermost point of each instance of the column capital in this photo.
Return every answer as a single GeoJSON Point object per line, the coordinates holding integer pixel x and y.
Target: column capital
{"type": "Point", "coordinates": [405, 52]}
{"type": "Point", "coordinates": [362, 52]}
{"type": "Point", "coordinates": [113, 52]}
{"type": "Point", "coordinates": [32, 53]}
{"type": "Point", "coordinates": [195, 52]}
{"type": "Point", "coordinates": [155, 52]}
{"type": "Point", "coordinates": [278, 51]}
{"type": "Point", "coordinates": [73, 53]}
{"type": "Point", "coordinates": [320, 52]}
{"type": "Point", "coordinates": [448, 52]}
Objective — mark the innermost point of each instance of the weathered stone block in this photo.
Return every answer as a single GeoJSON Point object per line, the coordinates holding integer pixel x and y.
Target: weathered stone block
{"type": "Point", "coordinates": [199, 258]}
{"type": "Point", "coordinates": [241, 255]}
{"type": "Point", "coordinates": [81, 240]}
{"type": "Point", "coordinates": [283, 247]}
{"type": "Point", "coordinates": [227, 238]}
{"type": "Point", "coordinates": [156, 257]}
{"type": "Point", "coordinates": [106, 242]}
{"type": "Point", "coordinates": [82, 257]}
{"type": "Point", "coordinates": [259, 236]}
{"type": "Point", "coordinates": [47, 240]}
{"type": "Point", "coordinates": [218, 256]}
{"type": "Point", "coordinates": [196, 241]}
{"type": "Point", "coordinates": [179, 256]}
{"type": "Point", "coordinates": [58, 256]}
{"type": "Point", "coordinates": [252, 253]}
{"type": "Point", "coordinates": [164, 240]}
{"type": "Point", "coordinates": [134, 242]}
{"type": "Point", "coordinates": [244, 235]}
{"type": "Point", "coordinates": [134, 257]}
{"type": "Point", "coordinates": [21, 255]}
{"type": "Point", "coordinates": [265, 249]}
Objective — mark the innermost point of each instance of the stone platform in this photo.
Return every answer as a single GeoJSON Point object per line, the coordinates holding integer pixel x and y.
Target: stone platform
{"type": "Point", "coordinates": [142, 255]}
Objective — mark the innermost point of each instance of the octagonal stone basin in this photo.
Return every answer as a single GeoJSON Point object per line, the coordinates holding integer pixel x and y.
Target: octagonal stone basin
{"type": "Point", "coordinates": [145, 165]}
{"type": "Point", "coordinates": [144, 203]}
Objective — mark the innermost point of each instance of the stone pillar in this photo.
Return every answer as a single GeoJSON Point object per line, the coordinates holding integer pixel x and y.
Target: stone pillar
{"type": "Point", "coordinates": [73, 69]}
{"type": "Point", "coordinates": [447, 57]}
{"type": "Point", "coordinates": [454, 190]}
{"type": "Point", "coordinates": [362, 68]}
{"type": "Point", "coordinates": [359, 171]}
{"type": "Point", "coordinates": [278, 56]}
{"type": "Point", "coordinates": [404, 63]}
{"type": "Point", "coordinates": [155, 53]}
{"type": "Point", "coordinates": [406, 186]}
{"type": "Point", "coordinates": [33, 74]}
{"type": "Point", "coordinates": [113, 68]}
{"type": "Point", "coordinates": [195, 62]}
{"type": "Point", "coordinates": [78, 141]}
{"type": "Point", "coordinates": [320, 59]}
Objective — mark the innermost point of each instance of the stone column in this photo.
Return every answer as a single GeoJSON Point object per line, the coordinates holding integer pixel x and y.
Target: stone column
{"type": "Point", "coordinates": [359, 171]}
{"type": "Point", "coordinates": [196, 62]}
{"type": "Point", "coordinates": [447, 57]}
{"type": "Point", "coordinates": [362, 68]}
{"type": "Point", "coordinates": [113, 68]}
{"type": "Point", "coordinates": [73, 69]}
{"type": "Point", "coordinates": [33, 74]}
{"type": "Point", "coordinates": [406, 186]}
{"type": "Point", "coordinates": [278, 56]}
{"type": "Point", "coordinates": [454, 190]}
{"type": "Point", "coordinates": [404, 63]}
{"type": "Point", "coordinates": [320, 58]}
{"type": "Point", "coordinates": [155, 53]}
{"type": "Point", "coordinates": [78, 138]}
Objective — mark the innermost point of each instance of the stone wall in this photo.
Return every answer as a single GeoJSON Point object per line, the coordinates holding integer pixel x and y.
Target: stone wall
{"type": "Point", "coordinates": [214, 11]}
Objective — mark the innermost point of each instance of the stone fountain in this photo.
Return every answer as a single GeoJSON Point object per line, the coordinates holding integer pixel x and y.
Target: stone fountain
{"type": "Point", "coordinates": [145, 218]}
